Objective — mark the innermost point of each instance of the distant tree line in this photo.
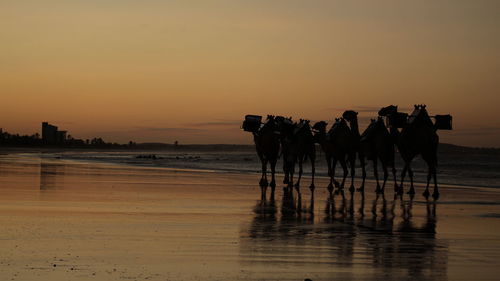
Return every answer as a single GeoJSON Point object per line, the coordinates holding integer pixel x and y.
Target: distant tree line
{"type": "Point", "coordinates": [7, 139]}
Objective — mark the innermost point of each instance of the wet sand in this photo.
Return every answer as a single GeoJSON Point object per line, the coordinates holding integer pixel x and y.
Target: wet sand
{"type": "Point", "coordinates": [63, 220]}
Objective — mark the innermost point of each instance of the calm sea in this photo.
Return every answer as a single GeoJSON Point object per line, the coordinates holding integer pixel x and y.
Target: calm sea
{"type": "Point", "coordinates": [470, 167]}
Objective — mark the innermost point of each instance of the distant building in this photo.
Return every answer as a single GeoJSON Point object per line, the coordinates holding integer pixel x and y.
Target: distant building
{"type": "Point", "coordinates": [61, 136]}
{"type": "Point", "coordinates": [50, 134]}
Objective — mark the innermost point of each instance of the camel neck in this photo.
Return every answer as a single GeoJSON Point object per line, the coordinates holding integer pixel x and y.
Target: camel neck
{"type": "Point", "coordinates": [355, 127]}
{"type": "Point", "coordinates": [394, 133]}
{"type": "Point", "coordinates": [321, 138]}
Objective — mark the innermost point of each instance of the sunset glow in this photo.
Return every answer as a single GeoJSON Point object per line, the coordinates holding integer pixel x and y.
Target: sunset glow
{"type": "Point", "coordinates": [160, 71]}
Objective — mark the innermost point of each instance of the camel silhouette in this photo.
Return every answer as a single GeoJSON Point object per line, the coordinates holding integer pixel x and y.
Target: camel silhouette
{"type": "Point", "coordinates": [351, 117]}
{"type": "Point", "coordinates": [339, 146]}
{"type": "Point", "coordinates": [297, 145]}
{"type": "Point", "coordinates": [321, 137]}
{"type": "Point", "coordinates": [267, 144]}
{"type": "Point", "coordinates": [376, 144]}
{"type": "Point", "coordinates": [285, 127]}
{"type": "Point", "coordinates": [418, 136]}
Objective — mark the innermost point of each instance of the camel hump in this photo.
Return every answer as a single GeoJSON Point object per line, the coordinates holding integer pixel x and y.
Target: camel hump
{"type": "Point", "coordinates": [300, 126]}
{"type": "Point", "coordinates": [349, 115]}
{"type": "Point", "coordinates": [370, 131]}
{"type": "Point", "coordinates": [388, 110]}
{"type": "Point", "coordinates": [338, 125]}
{"type": "Point", "coordinates": [419, 113]}
{"type": "Point", "coordinates": [413, 116]}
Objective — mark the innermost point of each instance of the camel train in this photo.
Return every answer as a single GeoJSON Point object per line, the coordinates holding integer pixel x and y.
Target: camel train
{"type": "Point", "coordinates": [412, 135]}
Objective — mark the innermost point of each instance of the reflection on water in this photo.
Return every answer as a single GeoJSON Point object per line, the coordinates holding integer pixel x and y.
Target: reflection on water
{"type": "Point", "coordinates": [51, 175]}
{"type": "Point", "coordinates": [349, 238]}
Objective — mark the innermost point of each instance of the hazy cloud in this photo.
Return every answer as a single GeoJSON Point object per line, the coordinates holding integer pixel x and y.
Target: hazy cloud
{"type": "Point", "coordinates": [367, 109]}
{"type": "Point", "coordinates": [216, 124]}
{"type": "Point", "coordinates": [167, 129]}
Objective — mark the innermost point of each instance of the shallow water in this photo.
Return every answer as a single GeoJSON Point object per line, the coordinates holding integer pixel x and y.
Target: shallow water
{"type": "Point", "coordinates": [468, 169]}
{"type": "Point", "coordinates": [118, 222]}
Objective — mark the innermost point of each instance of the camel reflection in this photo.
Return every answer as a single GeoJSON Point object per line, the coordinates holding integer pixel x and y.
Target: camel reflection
{"type": "Point", "coordinates": [50, 175]}
{"type": "Point", "coordinates": [393, 238]}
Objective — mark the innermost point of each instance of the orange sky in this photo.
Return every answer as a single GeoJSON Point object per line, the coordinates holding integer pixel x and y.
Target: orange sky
{"type": "Point", "coordinates": [190, 70]}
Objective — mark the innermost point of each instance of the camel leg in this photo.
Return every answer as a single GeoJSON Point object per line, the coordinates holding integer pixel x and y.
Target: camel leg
{"type": "Point", "coordinates": [344, 167]}
{"type": "Point", "coordinates": [435, 195]}
{"type": "Point", "coordinates": [330, 173]}
{"type": "Point", "coordinates": [394, 176]}
{"type": "Point", "coordinates": [263, 179]}
{"type": "Point", "coordinates": [386, 175]}
{"type": "Point", "coordinates": [410, 174]}
{"type": "Point", "coordinates": [363, 171]}
{"type": "Point", "coordinates": [375, 173]}
{"type": "Point", "coordinates": [312, 157]}
{"type": "Point", "coordinates": [431, 161]}
{"type": "Point", "coordinates": [336, 184]}
{"type": "Point", "coordinates": [429, 175]}
{"type": "Point", "coordinates": [353, 171]}
{"type": "Point", "coordinates": [291, 171]}
{"type": "Point", "coordinates": [297, 184]}
{"type": "Point", "coordinates": [286, 180]}
{"type": "Point", "coordinates": [273, 179]}
{"type": "Point", "coordinates": [403, 174]}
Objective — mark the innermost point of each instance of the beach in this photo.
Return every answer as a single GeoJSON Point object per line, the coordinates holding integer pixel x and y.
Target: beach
{"type": "Point", "coordinates": [64, 219]}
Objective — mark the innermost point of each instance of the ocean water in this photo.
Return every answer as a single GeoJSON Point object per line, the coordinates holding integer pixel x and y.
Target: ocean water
{"type": "Point", "coordinates": [470, 168]}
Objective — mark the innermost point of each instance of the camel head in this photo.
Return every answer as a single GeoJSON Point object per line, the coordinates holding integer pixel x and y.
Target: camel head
{"type": "Point", "coordinates": [388, 110]}
{"type": "Point", "coordinates": [350, 115]}
{"type": "Point", "coordinates": [320, 126]}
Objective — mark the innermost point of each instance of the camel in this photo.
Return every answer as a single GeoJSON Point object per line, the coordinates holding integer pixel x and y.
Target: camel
{"type": "Point", "coordinates": [284, 127]}
{"type": "Point", "coordinates": [376, 144]}
{"type": "Point", "coordinates": [352, 118]}
{"type": "Point", "coordinates": [418, 136]}
{"type": "Point", "coordinates": [321, 137]}
{"type": "Point", "coordinates": [267, 144]}
{"type": "Point", "coordinates": [339, 147]}
{"type": "Point", "coordinates": [297, 145]}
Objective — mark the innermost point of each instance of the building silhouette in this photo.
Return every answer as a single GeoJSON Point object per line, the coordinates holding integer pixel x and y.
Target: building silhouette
{"type": "Point", "coordinates": [51, 135]}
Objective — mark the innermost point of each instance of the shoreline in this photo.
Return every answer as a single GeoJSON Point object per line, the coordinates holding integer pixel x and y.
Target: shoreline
{"type": "Point", "coordinates": [279, 173]}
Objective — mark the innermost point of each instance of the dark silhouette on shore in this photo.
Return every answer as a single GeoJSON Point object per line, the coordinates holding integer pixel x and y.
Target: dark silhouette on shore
{"type": "Point", "coordinates": [351, 117]}
{"type": "Point", "coordinates": [321, 137]}
{"type": "Point", "coordinates": [54, 138]}
{"type": "Point", "coordinates": [343, 142]}
{"type": "Point", "coordinates": [417, 137]}
{"type": "Point", "coordinates": [339, 145]}
{"type": "Point", "coordinates": [297, 145]}
{"type": "Point", "coordinates": [267, 144]}
{"type": "Point", "coordinates": [376, 145]}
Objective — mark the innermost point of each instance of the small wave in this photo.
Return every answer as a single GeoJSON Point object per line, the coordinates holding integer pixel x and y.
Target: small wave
{"type": "Point", "coordinates": [490, 215]}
